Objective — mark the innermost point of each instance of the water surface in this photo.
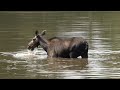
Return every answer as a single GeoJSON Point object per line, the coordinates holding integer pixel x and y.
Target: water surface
{"type": "Point", "coordinates": [100, 29]}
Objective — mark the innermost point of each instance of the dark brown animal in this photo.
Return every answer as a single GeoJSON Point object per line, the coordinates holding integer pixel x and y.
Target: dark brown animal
{"type": "Point", "coordinates": [58, 47]}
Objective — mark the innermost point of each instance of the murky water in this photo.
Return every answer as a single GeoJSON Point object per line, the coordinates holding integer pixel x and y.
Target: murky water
{"type": "Point", "coordinates": [100, 29]}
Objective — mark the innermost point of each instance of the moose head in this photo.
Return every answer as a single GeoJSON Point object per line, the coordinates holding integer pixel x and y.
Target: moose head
{"type": "Point", "coordinates": [35, 42]}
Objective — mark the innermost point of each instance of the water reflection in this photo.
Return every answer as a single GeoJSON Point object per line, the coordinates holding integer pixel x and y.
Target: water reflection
{"type": "Point", "coordinates": [55, 68]}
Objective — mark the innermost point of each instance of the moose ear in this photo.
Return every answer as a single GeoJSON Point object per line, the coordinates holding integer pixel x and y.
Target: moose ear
{"type": "Point", "coordinates": [36, 32]}
{"type": "Point", "coordinates": [43, 32]}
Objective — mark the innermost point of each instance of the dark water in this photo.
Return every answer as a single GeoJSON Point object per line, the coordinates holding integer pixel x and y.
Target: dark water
{"type": "Point", "coordinates": [100, 29]}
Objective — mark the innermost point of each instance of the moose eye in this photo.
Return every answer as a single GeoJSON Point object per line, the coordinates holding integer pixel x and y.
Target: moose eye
{"type": "Point", "coordinates": [34, 39]}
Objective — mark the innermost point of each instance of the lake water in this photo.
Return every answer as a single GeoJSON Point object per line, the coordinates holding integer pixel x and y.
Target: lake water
{"type": "Point", "coordinates": [100, 28]}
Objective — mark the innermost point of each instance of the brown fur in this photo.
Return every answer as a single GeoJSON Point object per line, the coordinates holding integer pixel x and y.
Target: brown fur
{"type": "Point", "coordinates": [58, 47]}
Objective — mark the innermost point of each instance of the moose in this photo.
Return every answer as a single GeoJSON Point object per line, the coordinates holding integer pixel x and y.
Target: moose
{"type": "Point", "coordinates": [57, 47]}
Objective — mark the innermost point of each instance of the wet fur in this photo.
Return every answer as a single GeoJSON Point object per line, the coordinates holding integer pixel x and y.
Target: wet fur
{"type": "Point", "coordinates": [59, 47]}
{"type": "Point", "coordinates": [67, 48]}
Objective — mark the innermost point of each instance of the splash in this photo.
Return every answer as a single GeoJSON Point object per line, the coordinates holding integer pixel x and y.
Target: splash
{"type": "Point", "coordinates": [30, 55]}
{"type": "Point", "coordinates": [27, 54]}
